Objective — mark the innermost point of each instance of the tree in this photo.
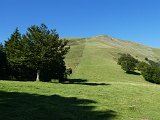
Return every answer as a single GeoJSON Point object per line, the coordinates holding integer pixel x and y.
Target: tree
{"type": "Point", "coordinates": [153, 63]}
{"type": "Point", "coordinates": [13, 48]}
{"type": "Point", "coordinates": [3, 63]}
{"type": "Point", "coordinates": [141, 65]}
{"type": "Point", "coordinates": [150, 71]}
{"type": "Point", "coordinates": [127, 62]}
{"type": "Point", "coordinates": [156, 75]}
{"type": "Point", "coordinates": [39, 49]}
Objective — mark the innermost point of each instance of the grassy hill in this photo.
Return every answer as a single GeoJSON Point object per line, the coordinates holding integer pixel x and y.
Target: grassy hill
{"type": "Point", "coordinates": [98, 88]}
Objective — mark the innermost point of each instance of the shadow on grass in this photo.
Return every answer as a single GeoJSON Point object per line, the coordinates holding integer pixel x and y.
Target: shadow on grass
{"type": "Point", "coordinates": [133, 73]}
{"type": "Point", "coordinates": [23, 106]}
{"type": "Point", "coordinates": [83, 82]}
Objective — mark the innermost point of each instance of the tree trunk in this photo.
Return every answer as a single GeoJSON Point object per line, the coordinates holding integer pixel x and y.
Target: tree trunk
{"type": "Point", "coordinates": [38, 74]}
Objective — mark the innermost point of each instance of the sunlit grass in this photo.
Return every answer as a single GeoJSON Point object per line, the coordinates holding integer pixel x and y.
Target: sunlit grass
{"type": "Point", "coordinates": [99, 90]}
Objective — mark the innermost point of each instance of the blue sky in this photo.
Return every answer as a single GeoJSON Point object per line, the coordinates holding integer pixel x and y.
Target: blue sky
{"type": "Point", "coordinates": [135, 20]}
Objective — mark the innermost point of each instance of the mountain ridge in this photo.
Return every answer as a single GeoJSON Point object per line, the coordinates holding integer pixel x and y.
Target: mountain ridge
{"type": "Point", "coordinates": [108, 36]}
{"type": "Point", "coordinates": [105, 48]}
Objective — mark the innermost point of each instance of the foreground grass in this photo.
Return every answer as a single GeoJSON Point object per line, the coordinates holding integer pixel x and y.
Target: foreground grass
{"type": "Point", "coordinates": [31, 101]}
{"type": "Point", "coordinates": [80, 100]}
{"type": "Point", "coordinates": [99, 90]}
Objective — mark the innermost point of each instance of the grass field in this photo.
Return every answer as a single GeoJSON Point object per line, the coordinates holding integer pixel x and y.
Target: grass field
{"type": "Point", "coordinates": [98, 88]}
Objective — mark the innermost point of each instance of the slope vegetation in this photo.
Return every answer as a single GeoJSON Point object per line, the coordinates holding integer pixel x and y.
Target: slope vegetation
{"type": "Point", "coordinates": [98, 89]}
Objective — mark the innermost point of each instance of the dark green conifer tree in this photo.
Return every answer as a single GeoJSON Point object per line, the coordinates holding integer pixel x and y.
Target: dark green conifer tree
{"type": "Point", "coordinates": [39, 49]}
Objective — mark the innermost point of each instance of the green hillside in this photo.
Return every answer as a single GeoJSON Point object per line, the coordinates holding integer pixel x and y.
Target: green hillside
{"type": "Point", "coordinates": [95, 58]}
{"type": "Point", "coordinates": [98, 89]}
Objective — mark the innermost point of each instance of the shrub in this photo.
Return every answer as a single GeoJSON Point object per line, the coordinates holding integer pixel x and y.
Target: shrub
{"type": "Point", "coordinates": [127, 62]}
{"type": "Point", "coordinates": [150, 72]}
{"type": "Point", "coordinates": [141, 65]}
{"type": "Point", "coordinates": [156, 75]}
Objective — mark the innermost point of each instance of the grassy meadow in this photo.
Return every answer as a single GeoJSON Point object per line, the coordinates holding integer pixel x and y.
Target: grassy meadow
{"type": "Point", "coordinates": [97, 90]}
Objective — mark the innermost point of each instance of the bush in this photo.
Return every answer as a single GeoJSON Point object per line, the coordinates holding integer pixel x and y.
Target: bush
{"type": "Point", "coordinates": [68, 72]}
{"type": "Point", "coordinates": [156, 76]}
{"type": "Point", "coordinates": [147, 72]}
{"type": "Point", "coordinates": [127, 62]}
{"type": "Point", "coordinates": [141, 65]}
{"type": "Point", "coordinates": [150, 72]}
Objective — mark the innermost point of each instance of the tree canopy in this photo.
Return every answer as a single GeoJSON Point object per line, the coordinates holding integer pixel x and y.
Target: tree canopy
{"type": "Point", "coordinates": [3, 63]}
{"type": "Point", "coordinates": [39, 49]}
{"type": "Point", "coordinates": [127, 62]}
{"type": "Point", "coordinates": [150, 70]}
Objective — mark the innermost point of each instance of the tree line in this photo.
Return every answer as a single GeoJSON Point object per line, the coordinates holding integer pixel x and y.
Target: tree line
{"type": "Point", "coordinates": [149, 69]}
{"type": "Point", "coordinates": [36, 55]}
